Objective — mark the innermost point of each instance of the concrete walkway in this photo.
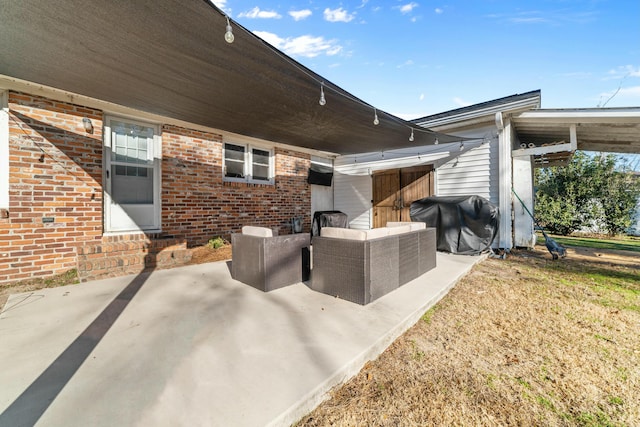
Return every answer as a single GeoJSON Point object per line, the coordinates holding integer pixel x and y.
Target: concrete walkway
{"type": "Point", "coordinates": [192, 347]}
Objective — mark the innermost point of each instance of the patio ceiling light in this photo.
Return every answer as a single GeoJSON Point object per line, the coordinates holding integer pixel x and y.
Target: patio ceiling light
{"type": "Point", "coordinates": [322, 100]}
{"type": "Point", "coordinates": [375, 117]}
{"type": "Point", "coordinates": [228, 36]}
{"type": "Point", "coordinates": [411, 136]}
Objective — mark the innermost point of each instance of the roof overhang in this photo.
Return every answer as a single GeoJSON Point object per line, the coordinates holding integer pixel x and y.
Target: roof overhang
{"type": "Point", "coordinates": [169, 58]}
{"type": "Point", "coordinates": [551, 135]}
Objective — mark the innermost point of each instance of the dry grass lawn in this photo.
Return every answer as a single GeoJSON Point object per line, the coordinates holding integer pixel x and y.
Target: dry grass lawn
{"type": "Point", "coordinates": [524, 341]}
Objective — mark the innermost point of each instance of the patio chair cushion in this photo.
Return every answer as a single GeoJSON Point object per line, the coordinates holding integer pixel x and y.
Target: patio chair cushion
{"type": "Point", "coordinates": [400, 229]}
{"type": "Point", "coordinates": [250, 230]}
{"type": "Point", "coordinates": [351, 234]}
{"type": "Point", "coordinates": [413, 225]}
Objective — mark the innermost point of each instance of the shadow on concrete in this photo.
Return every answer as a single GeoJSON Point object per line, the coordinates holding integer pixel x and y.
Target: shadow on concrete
{"type": "Point", "coordinates": [27, 409]}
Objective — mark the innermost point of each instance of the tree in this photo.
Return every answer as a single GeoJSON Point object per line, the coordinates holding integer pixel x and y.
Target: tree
{"type": "Point", "coordinates": [589, 190]}
{"type": "Point", "coordinates": [617, 195]}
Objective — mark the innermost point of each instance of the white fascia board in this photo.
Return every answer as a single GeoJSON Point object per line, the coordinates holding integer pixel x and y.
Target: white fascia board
{"type": "Point", "coordinates": [481, 115]}
{"type": "Point", "coordinates": [109, 108]}
{"type": "Point", "coordinates": [579, 116]}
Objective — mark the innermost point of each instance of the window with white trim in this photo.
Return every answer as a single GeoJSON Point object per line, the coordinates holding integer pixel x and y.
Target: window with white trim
{"type": "Point", "coordinates": [246, 163]}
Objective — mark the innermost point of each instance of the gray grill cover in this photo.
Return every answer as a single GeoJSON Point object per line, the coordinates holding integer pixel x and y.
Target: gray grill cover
{"type": "Point", "coordinates": [465, 225]}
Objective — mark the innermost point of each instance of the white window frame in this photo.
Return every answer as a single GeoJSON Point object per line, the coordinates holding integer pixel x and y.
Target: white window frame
{"type": "Point", "coordinates": [248, 164]}
{"type": "Point", "coordinates": [4, 149]}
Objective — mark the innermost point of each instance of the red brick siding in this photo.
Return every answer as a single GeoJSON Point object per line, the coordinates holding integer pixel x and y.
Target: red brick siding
{"type": "Point", "coordinates": [55, 171]}
{"type": "Point", "coordinates": [67, 186]}
{"type": "Point", "coordinates": [197, 204]}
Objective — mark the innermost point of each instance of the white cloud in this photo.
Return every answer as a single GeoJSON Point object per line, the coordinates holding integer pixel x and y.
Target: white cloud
{"type": "Point", "coordinates": [460, 102]}
{"type": "Point", "coordinates": [407, 63]}
{"type": "Point", "coordinates": [299, 15]}
{"type": "Point", "coordinates": [407, 8]}
{"type": "Point", "coordinates": [306, 46]}
{"type": "Point", "coordinates": [222, 5]}
{"type": "Point", "coordinates": [623, 72]}
{"type": "Point", "coordinates": [338, 15]}
{"type": "Point", "coordinates": [622, 97]}
{"type": "Point", "coordinates": [630, 91]}
{"type": "Point", "coordinates": [421, 97]}
{"type": "Point", "coordinates": [438, 10]}
{"type": "Point", "coordinates": [257, 13]}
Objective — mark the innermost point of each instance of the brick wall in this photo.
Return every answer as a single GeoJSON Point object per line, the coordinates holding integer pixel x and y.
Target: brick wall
{"type": "Point", "coordinates": [198, 205]}
{"type": "Point", "coordinates": [56, 173]}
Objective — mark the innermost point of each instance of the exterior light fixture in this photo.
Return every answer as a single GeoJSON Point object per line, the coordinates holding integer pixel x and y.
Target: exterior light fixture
{"type": "Point", "coordinates": [88, 126]}
{"type": "Point", "coordinates": [375, 117]}
{"type": "Point", "coordinates": [228, 36]}
{"type": "Point", "coordinates": [461, 146]}
{"type": "Point", "coordinates": [436, 142]}
{"type": "Point", "coordinates": [411, 136]}
{"type": "Point", "coordinates": [322, 100]}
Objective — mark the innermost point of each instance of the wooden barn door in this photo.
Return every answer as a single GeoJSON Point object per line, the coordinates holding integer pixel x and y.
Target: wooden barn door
{"type": "Point", "coordinates": [386, 193]}
{"type": "Point", "coordinates": [415, 183]}
{"type": "Point", "coordinates": [395, 190]}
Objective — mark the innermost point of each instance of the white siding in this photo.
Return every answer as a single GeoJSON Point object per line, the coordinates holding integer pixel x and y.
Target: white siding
{"type": "Point", "coordinates": [321, 198]}
{"type": "Point", "coordinates": [352, 195]}
{"type": "Point", "coordinates": [473, 173]}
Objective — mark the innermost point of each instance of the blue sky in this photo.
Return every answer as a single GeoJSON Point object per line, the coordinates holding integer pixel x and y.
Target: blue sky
{"type": "Point", "coordinates": [415, 58]}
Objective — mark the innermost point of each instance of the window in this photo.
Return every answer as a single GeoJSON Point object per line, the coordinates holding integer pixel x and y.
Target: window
{"type": "Point", "coordinates": [244, 163]}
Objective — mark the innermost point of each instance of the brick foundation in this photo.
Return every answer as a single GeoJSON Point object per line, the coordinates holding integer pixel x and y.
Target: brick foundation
{"type": "Point", "coordinates": [130, 254]}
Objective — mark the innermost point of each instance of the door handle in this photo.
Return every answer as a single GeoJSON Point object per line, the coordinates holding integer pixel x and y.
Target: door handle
{"type": "Point", "coordinates": [107, 174]}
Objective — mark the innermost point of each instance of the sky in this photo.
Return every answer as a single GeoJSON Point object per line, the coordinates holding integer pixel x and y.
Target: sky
{"type": "Point", "coordinates": [422, 57]}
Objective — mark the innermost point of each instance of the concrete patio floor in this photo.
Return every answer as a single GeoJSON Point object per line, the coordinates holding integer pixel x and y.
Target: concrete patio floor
{"type": "Point", "coordinates": [192, 347]}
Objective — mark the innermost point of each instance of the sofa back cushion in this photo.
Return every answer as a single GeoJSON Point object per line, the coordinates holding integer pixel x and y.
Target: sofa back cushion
{"type": "Point", "coordinates": [250, 230]}
{"type": "Point", "coordinates": [351, 234]}
{"type": "Point", "coordinates": [412, 225]}
{"type": "Point", "coordinates": [399, 229]}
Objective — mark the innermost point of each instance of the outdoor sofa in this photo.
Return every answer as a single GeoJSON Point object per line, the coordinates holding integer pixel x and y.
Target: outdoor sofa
{"type": "Point", "coordinates": [268, 262]}
{"type": "Point", "coordinates": [362, 265]}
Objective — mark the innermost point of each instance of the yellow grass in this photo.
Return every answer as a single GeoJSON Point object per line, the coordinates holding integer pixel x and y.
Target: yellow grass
{"type": "Point", "coordinates": [524, 341]}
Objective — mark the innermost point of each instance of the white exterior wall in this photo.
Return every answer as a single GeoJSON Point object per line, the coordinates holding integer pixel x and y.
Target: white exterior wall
{"type": "Point", "coordinates": [353, 195]}
{"type": "Point", "coordinates": [523, 230]}
{"type": "Point", "coordinates": [505, 184]}
{"type": "Point", "coordinates": [472, 173]}
{"type": "Point", "coordinates": [321, 198]}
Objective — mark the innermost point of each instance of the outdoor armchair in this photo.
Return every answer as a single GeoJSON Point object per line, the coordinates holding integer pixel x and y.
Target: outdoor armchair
{"type": "Point", "coordinates": [269, 262]}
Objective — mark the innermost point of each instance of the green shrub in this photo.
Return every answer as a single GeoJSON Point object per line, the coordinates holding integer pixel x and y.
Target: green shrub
{"type": "Point", "coordinates": [216, 242]}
